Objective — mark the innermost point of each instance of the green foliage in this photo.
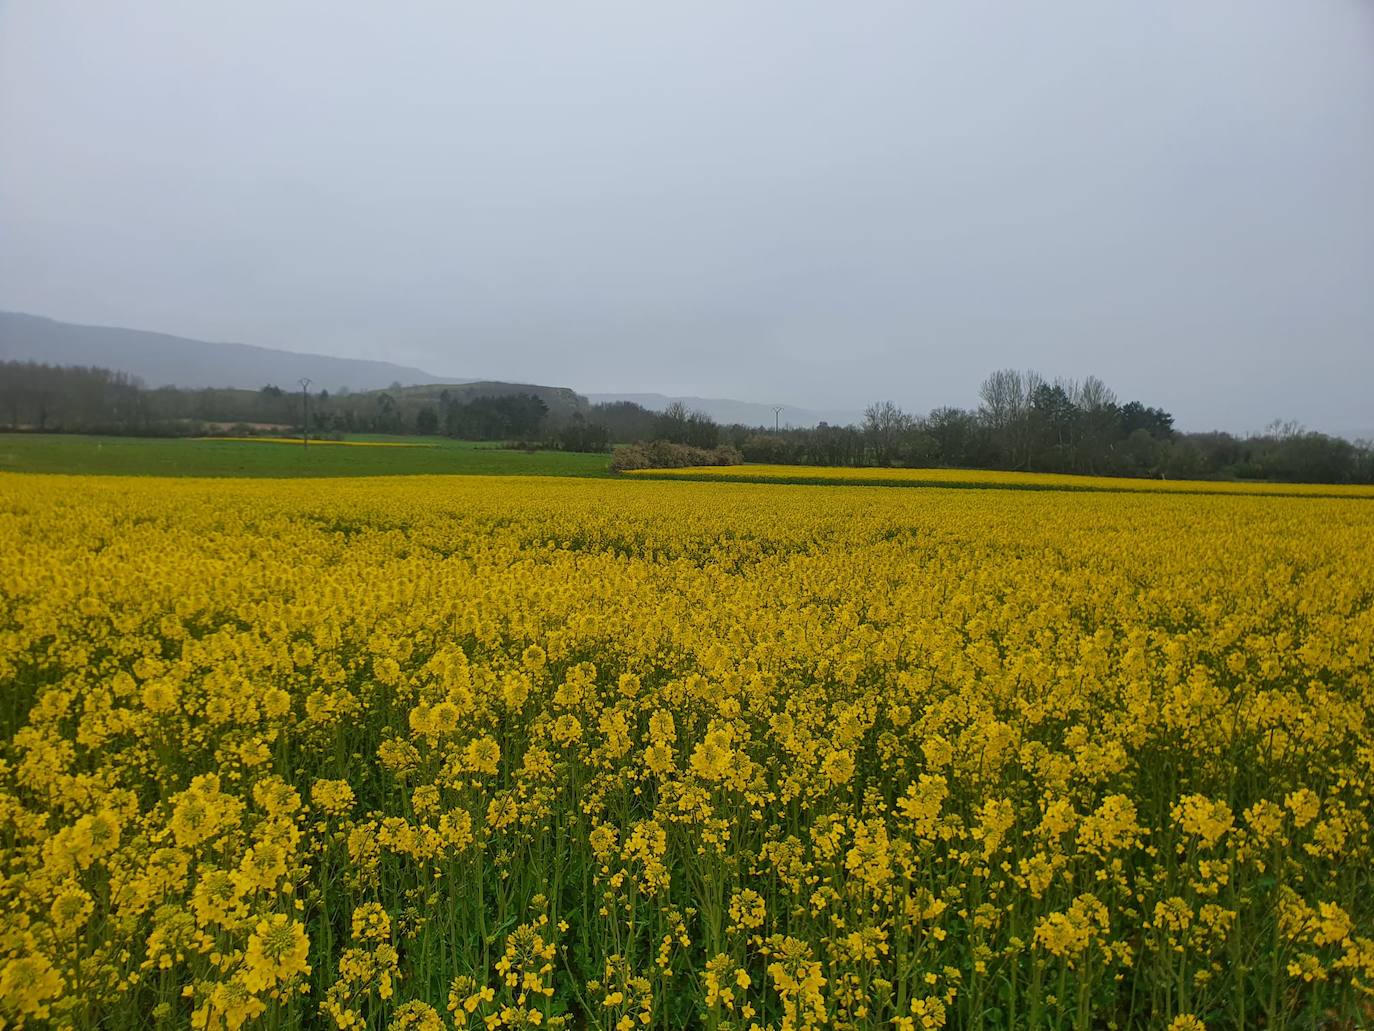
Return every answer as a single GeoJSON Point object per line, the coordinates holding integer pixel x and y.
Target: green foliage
{"type": "Point", "coordinates": [664, 454]}
{"type": "Point", "coordinates": [581, 435]}
{"type": "Point", "coordinates": [506, 417]}
{"type": "Point", "coordinates": [680, 425]}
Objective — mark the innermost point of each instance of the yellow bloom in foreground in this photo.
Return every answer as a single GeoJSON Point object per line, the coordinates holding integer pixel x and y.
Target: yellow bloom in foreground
{"type": "Point", "coordinates": [1304, 805]}
{"type": "Point", "coordinates": [1072, 932]}
{"type": "Point", "coordinates": [1201, 816]}
{"type": "Point", "coordinates": [276, 953]}
{"type": "Point", "coordinates": [230, 1006]}
{"type": "Point", "coordinates": [838, 767]}
{"type": "Point", "coordinates": [416, 1016]}
{"type": "Point", "coordinates": [28, 986]}
{"type": "Point", "coordinates": [159, 697]}
{"type": "Point", "coordinates": [335, 797]}
{"type": "Point", "coordinates": [371, 923]}
{"type": "Point", "coordinates": [71, 909]}
{"type": "Point", "coordinates": [1110, 827]}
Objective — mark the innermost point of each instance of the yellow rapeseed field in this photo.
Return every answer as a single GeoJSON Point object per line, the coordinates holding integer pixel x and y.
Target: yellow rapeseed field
{"type": "Point", "coordinates": [535, 753]}
{"type": "Point", "coordinates": [762, 473]}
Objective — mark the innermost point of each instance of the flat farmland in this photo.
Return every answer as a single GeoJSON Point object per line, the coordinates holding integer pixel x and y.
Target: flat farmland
{"type": "Point", "coordinates": [359, 455]}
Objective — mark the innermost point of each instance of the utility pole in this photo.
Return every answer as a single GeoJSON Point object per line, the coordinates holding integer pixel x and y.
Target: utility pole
{"type": "Point", "coordinates": [305, 411]}
{"type": "Point", "coordinates": [777, 412]}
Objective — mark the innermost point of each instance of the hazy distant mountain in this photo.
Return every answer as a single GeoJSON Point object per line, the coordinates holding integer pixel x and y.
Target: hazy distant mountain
{"type": "Point", "coordinates": [163, 360]}
{"type": "Point", "coordinates": [748, 413]}
{"type": "Point", "coordinates": [160, 359]}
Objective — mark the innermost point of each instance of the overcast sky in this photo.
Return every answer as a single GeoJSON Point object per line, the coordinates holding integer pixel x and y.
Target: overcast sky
{"type": "Point", "coordinates": [816, 203]}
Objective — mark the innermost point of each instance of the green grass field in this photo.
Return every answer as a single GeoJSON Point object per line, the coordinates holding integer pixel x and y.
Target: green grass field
{"type": "Point", "coordinates": [183, 456]}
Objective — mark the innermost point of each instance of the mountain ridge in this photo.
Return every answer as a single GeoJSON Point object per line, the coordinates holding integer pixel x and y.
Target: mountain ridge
{"type": "Point", "coordinates": [164, 359]}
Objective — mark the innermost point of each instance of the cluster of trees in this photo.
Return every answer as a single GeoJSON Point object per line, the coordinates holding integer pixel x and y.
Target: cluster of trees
{"type": "Point", "coordinates": [91, 400]}
{"type": "Point", "coordinates": [612, 422]}
{"type": "Point", "coordinates": [1024, 421]}
{"type": "Point", "coordinates": [625, 421]}
{"type": "Point", "coordinates": [503, 417]}
{"type": "Point", "coordinates": [513, 416]}
{"type": "Point", "coordinates": [46, 397]}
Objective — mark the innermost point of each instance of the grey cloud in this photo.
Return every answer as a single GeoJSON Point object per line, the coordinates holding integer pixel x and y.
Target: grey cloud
{"type": "Point", "coordinates": [807, 202]}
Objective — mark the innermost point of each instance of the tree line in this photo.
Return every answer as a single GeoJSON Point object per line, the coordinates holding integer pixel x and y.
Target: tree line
{"type": "Point", "coordinates": [1029, 423]}
{"type": "Point", "coordinates": [1023, 421]}
{"type": "Point", "coordinates": [51, 398]}
{"type": "Point", "coordinates": [75, 399]}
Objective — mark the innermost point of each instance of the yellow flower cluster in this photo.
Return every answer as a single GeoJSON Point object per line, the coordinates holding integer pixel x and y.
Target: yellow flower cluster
{"type": "Point", "coordinates": [533, 753]}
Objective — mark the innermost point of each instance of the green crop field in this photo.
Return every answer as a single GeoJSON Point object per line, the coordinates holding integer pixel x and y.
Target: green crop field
{"type": "Point", "coordinates": [185, 456]}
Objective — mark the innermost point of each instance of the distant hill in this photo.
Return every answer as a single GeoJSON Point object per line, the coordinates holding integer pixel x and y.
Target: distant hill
{"type": "Point", "coordinates": [160, 359]}
{"type": "Point", "coordinates": [726, 411]}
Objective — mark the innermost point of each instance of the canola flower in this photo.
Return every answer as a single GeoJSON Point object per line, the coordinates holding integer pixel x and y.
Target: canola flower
{"type": "Point", "coordinates": [436, 752]}
{"type": "Point", "coordinates": [806, 474]}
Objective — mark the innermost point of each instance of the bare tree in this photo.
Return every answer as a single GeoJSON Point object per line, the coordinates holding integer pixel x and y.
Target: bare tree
{"type": "Point", "coordinates": [1004, 398]}
{"type": "Point", "coordinates": [1094, 396]}
{"type": "Point", "coordinates": [1284, 429]}
{"type": "Point", "coordinates": [885, 425]}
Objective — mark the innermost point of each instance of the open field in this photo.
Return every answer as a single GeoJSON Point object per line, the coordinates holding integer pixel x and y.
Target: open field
{"type": "Point", "coordinates": [297, 442]}
{"type": "Point", "coordinates": [270, 457]}
{"type": "Point", "coordinates": [832, 476]}
{"type": "Point", "coordinates": [437, 752]}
